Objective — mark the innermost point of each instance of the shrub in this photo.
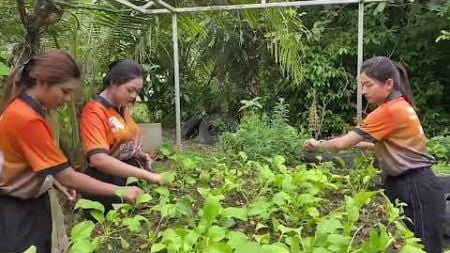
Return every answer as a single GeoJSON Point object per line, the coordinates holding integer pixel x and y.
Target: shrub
{"type": "Point", "coordinates": [261, 136]}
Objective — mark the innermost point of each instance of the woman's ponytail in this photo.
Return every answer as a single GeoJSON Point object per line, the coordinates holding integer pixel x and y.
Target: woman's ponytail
{"type": "Point", "coordinates": [404, 85]}
{"type": "Point", "coordinates": [16, 83]}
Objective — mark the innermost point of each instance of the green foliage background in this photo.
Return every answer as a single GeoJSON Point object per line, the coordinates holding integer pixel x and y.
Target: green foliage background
{"type": "Point", "coordinates": [305, 55]}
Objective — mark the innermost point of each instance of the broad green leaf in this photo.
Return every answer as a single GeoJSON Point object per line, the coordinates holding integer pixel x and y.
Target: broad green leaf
{"type": "Point", "coordinates": [189, 240]}
{"type": "Point", "coordinates": [167, 178]}
{"type": "Point", "coordinates": [162, 191]}
{"type": "Point", "coordinates": [165, 151]}
{"type": "Point", "coordinates": [236, 238]}
{"type": "Point", "coordinates": [281, 198]}
{"type": "Point", "coordinates": [172, 240]}
{"type": "Point", "coordinates": [204, 177]}
{"type": "Point", "coordinates": [249, 247]}
{"type": "Point", "coordinates": [187, 163]}
{"type": "Point", "coordinates": [216, 233]}
{"type": "Point", "coordinates": [124, 244]}
{"type": "Point", "coordinates": [328, 226]}
{"type": "Point", "coordinates": [212, 208]}
{"type": "Point", "coordinates": [89, 204]}
{"type": "Point", "coordinates": [338, 243]}
{"type": "Point", "coordinates": [4, 70]}
{"type": "Point", "coordinates": [157, 247]}
{"type": "Point", "coordinates": [294, 242]}
{"type": "Point", "coordinates": [190, 180]}
{"type": "Point", "coordinates": [82, 230]}
{"type": "Point", "coordinates": [306, 198]}
{"type": "Point", "coordinates": [82, 246]}
{"type": "Point", "coordinates": [235, 212]}
{"type": "Point", "coordinates": [262, 239]}
{"type": "Point", "coordinates": [321, 250]}
{"type": "Point", "coordinates": [243, 156]}
{"type": "Point", "coordinates": [134, 223]}
{"type": "Point", "coordinates": [313, 212]}
{"type": "Point", "coordinates": [411, 249]}
{"type": "Point", "coordinates": [218, 247]}
{"type": "Point", "coordinates": [117, 206]}
{"type": "Point", "coordinates": [31, 249]}
{"type": "Point", "coordinates": [261, 208]}
{"type": "Point", "coordinates": [184, 205]}
{"type": "Point", "coordinates": [98, 215]}
{"type": "Point", "coordinates": [131, 180]}
{"type": "Point", "coordinates": [143, 198]}
{"type": "Point", "coordinates": [121, 191]}
{"type": "Point", "coordinates": [274, 249]}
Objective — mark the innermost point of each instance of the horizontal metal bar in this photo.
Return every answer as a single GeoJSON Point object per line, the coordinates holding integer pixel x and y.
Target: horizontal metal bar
{"type": "Point", "coordinates": [258, 6]}
{"type": "Point", "coordinates": [166, 5]}
{"type": "Point", "coordinates": [132, 6]}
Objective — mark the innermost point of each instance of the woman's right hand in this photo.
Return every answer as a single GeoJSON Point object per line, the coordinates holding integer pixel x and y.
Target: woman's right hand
{"type": "Point", "coordinates": [132, 193]}
{"type": "Point", "coordinates": [152, 177]}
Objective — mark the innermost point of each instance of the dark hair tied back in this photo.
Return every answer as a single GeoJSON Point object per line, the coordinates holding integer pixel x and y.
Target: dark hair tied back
{"type": "Point", "coordinates": [122, 71]}
{"type": "Point", "coordinates": [382, 68]}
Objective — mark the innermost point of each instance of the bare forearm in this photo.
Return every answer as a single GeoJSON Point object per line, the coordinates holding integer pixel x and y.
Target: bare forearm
{"type": "Point", "coordinates": [364, 145]}
{"type": "Point", "coordinates": [113, 166]}
{"type": "Point", "coordinates": [84, 183]}
{"type": "Point", "coordinates": [335, 144]}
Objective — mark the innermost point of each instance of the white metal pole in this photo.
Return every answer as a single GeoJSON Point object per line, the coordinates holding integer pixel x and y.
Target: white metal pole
{"type": "Point", "coordinates": [360, 60]}
{"type": "Point", "coordinates": [176, 73]}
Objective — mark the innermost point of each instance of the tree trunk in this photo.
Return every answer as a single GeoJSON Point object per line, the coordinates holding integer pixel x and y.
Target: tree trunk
{"type": "Point", "coordinates": [45, 13]}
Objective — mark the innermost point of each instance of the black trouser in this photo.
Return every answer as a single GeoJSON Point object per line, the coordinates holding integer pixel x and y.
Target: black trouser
{"type": "Point", "coordinates": [108, 178]}
{"type": "Point", "coordinates": [423, 192]}
{"type": "Point", "coordinates": [24, 223]}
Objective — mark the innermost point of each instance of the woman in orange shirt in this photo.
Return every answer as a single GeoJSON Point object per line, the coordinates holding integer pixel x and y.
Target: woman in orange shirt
{"type": "Point", "coordinates": [111, 139]}
{"type": "Point", "coordinates": [31, 159]}
{"type": "Point", "coordinates": [399, 145]}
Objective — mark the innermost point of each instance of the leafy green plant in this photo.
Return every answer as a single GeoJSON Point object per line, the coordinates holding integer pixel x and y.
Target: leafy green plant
{"type": "Point", "coordinates": [439, 147]}
{"type": "Point", "coordinates": [261, 136]}
{"type": "Point", "coordinates": [237, 204]}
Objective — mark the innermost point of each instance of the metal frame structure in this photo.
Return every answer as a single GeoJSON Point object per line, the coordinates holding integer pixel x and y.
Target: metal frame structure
{"type": "Point", "coordinates": [166, 8]}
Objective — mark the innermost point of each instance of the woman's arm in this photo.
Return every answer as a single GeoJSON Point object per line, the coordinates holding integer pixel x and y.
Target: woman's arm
{"type": "Point", "coordinates": [110, 165]}
{"type": "Point", "coordinates": [365, 145]}
{"type": "Point", "coordinates": [84, 183]}
{"type": "Point", "coordinates": [339, 143]}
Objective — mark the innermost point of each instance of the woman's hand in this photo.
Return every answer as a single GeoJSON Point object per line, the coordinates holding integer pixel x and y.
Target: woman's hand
{"type": "Point", "coordinates": [146, 159]}
{"type": "Point", "coordinates": [70, 194]}
{"type": "Point", "coordinates": [152, 177]}
{"type": "Point", "coordinates": [132, 193]}
{"type": "Point", "coordinates": [311, 145]}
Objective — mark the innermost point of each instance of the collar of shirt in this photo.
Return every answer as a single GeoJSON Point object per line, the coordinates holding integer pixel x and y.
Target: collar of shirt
{"type": "Point", "coordinates": [32, 103]}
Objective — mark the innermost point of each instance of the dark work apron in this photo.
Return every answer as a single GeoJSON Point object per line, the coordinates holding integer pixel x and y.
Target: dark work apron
{"type": "Point", "coordinates": [424, 195]}
{"type": "Point", "coordinates": [24, 223]}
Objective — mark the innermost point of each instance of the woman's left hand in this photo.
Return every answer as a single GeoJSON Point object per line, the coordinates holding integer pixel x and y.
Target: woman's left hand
{"type": "Point", "coordinates": [311, 145]}
{"type": "Point", "coordinates": [71, 194]}
{"type": "Point", "coordinates": [146, 159]}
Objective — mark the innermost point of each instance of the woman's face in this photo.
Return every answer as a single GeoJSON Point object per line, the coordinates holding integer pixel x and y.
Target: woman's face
{"type": "Point", "coordinates": [125, 94]}
{"type": "Point", "coordinates": [54, 96]}
{"type": "Point", "coordinates": [374, 90]}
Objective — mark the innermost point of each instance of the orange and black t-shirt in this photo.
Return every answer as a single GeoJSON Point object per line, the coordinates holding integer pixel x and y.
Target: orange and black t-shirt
{"type": "Point", "coordinates": [107, 129]}
{"type": "Point", "coordinates": [29, 150]}
{"type": "Point", "coordinates": [400, 142]}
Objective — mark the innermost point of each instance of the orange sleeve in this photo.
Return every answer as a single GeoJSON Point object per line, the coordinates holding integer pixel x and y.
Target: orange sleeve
{"type": "Point", "coordinates": [93, 133]}
{"type": "Point", "coordinates": [378, 124]}
{"type": "Point", "coordinates": [39, 148]}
